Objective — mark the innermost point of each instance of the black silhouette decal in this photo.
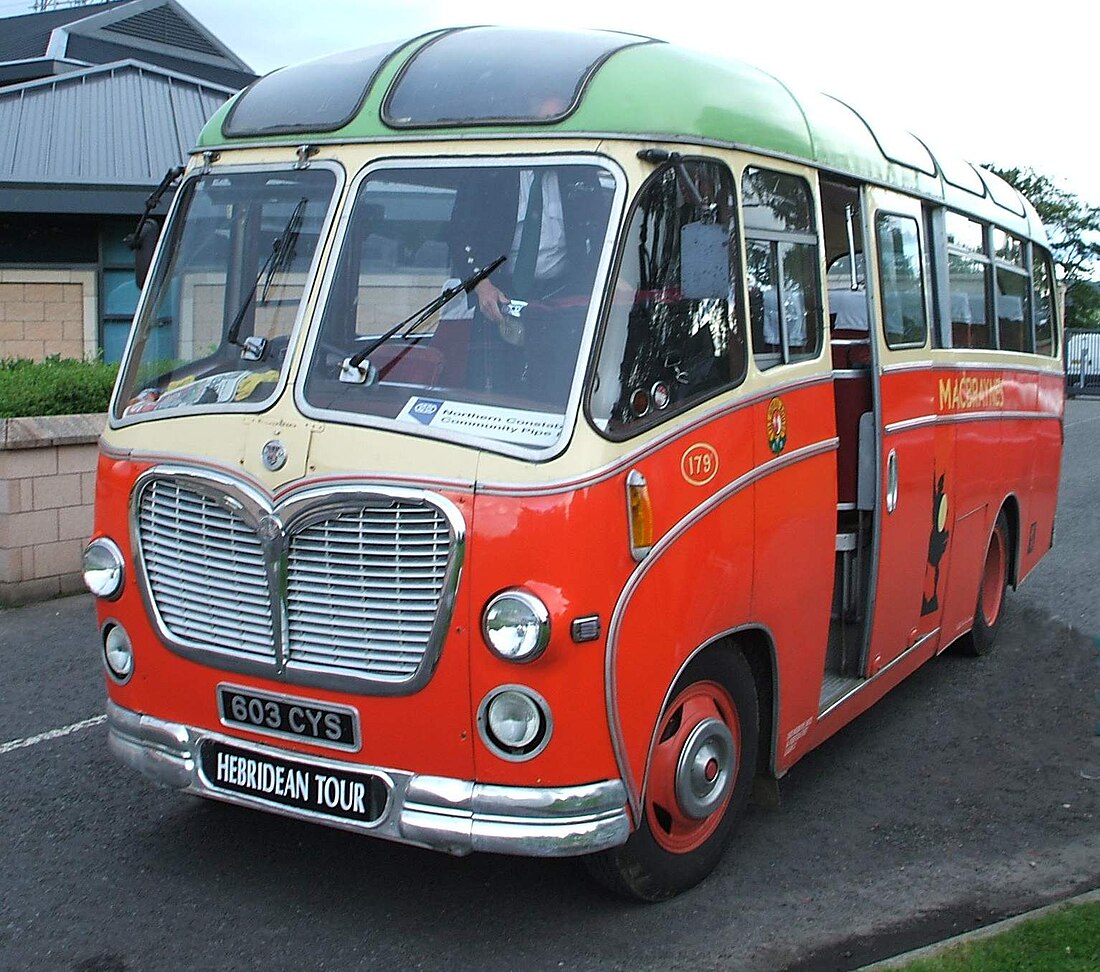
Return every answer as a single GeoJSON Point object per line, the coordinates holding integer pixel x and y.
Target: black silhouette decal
{"type": "Point", "coordinates": [937, 547]}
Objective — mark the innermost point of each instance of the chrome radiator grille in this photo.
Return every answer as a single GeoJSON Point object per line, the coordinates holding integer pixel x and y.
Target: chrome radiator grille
{"type": "Point", "coordinates": [205, 569]}
{"type": "Point", "coordinates": [329, 585]}
{"type": "Point", "coordinates": [363, 589]}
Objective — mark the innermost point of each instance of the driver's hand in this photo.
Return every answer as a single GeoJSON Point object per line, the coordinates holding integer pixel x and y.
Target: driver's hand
{"type": "Point", "coordinates": [489, 299]}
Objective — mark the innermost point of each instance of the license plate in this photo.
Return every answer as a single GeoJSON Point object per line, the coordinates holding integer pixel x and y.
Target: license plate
{"type": "Point", "coordinates": [333, 792]}
{"type": "Point", "coordinates": [279, 715]}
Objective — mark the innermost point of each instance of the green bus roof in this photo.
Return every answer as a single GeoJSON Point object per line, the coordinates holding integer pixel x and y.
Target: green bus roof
{"type": "Point", "coordinates": [599, 84]}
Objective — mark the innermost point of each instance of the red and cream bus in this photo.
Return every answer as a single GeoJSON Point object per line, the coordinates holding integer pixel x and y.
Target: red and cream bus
{"type": "Point", "coordinates": [530, 441]}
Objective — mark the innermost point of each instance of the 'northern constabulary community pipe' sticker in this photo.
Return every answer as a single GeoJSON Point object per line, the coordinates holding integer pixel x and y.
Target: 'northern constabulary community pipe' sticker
{"type": "Point", "coordinates": [502, 424]}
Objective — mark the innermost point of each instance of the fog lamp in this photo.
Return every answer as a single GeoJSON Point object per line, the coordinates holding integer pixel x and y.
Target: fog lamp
{"type": "Point", "coordinates": [118, 652]}
{"type": "Point", "coordinates": [516, 626]}
{"type": "Point", "coordinates": [514, 722]}
{"type": "Point", "coordinates": [103, 568]}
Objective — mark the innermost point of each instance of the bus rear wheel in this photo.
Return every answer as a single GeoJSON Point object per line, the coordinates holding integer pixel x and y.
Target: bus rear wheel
{"type": "Point", "coordinates": [991, 592]}
{"type": "Point", "coordinates": [699, 779]}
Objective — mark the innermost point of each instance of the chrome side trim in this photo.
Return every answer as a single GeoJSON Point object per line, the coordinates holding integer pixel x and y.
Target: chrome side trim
{"type": "Point", "coordinates": [958, 417]}
{"type": "Point", "coordinates": [920, 642]}
{"type": "Point", "coordinates": [440, 813]}
{"type": "Point", "coordinates": [903, 366]}
{"type": "Point", "coordinates": [634, 581]}
{"type": "Point", "coordinates": [281, 519]}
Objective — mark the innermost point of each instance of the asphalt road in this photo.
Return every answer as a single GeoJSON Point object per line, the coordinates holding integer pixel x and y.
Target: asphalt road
{"type": "Point", "coordinates": [968, 794]}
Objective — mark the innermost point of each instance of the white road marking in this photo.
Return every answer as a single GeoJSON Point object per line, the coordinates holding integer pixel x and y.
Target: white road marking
{"type": "Point", "coordinates": [52, 734]}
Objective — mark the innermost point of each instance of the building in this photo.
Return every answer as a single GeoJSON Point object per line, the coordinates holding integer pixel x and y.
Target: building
{"type": "Point", "coordinates": [96, 103]}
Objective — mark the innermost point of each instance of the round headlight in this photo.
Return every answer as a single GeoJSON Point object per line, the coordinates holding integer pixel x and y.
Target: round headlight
{"type": "Point", "coordinates": [514, 722]}
{"type": "Point", "coordinates": [118, 652]}
{"type": "Point", "coordinates": [104, 568]}
{"type": "Point", "coordinates": [516, 626]}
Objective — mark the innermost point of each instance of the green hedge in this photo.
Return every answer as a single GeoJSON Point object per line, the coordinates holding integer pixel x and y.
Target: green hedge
{"type": "Point", "coordinates": [55, 386]}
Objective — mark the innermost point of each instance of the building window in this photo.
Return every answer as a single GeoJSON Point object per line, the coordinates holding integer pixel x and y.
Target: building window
{"type": "Point", "coordinates": [119, 291]}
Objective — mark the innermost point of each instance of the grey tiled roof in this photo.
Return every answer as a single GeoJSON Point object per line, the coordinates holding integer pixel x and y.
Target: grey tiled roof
{"type": "Point", "coordinates": [28, 36]}
{"type": "Point", "coordinates": [120, 124]}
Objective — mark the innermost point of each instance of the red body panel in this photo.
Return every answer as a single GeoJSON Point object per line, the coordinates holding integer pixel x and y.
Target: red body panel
{"type": "Point", "coordinates": [745, 537]}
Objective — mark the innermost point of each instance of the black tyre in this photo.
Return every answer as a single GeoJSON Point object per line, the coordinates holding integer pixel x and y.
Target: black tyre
{"type": "Point", "coordinates": [699, 780]}
{"type": "Point", "coordinates": [991, 592]}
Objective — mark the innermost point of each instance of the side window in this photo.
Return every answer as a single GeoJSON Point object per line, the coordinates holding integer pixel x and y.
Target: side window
{"type": "Point", "coordinates": [968, 273]}
{"type": "Point", "coordinates": [781, 256]}
{"type": "Point", "coordinates": [1013, 313]}
{"type": "Point", "coordinates": [1042, 278]}
{"type": "Point", "coordinates": [901, 279]}
{"type": "Point", "coordinates": [673, 335]}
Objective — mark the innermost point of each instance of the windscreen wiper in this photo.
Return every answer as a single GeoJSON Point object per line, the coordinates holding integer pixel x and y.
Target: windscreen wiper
{"type": "Point", "coordinates": [357, 370]}
{"type": "Point", "coordinates": [282, 252]}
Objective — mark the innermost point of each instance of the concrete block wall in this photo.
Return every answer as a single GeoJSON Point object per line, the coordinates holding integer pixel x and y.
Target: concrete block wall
{"type": "Point", "coordinates": [47, 491]}
{"type": "Point", "coordinates": [45, 312]}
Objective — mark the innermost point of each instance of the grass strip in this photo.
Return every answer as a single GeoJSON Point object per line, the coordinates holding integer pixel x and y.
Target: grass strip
{"type": "Point", "coordinates": [1064, 940]}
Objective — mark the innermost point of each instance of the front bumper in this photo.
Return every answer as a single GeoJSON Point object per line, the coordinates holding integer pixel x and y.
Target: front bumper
{"type": "Point", "coordinates": [456, 816]}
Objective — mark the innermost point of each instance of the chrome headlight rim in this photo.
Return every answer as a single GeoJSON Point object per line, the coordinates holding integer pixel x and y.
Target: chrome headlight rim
{"type": "Point", "coordinates": [105, 578]}
{"type": "Point", "coordinates": [120, 674]}
{"type": "Point", "coordinates": [498, 747]}
{"type": "Point", "coordinates": [539, 618]}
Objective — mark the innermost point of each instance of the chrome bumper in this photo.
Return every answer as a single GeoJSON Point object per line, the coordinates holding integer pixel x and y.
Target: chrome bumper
{"type": "Point", "coordinates": [456, 816]}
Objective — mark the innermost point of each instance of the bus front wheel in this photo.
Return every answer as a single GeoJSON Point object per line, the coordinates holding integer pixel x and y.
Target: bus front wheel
{"type": "Point", "coordinates": [992, 587]}
{"type": "Point", "coordinates": [698, 782]}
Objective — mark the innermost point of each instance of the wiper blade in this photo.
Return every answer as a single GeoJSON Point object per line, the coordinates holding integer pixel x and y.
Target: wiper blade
{"type": "Point", "coordinates": [357, 370]}
{"type": "Point", "coordinates": [282, 252]}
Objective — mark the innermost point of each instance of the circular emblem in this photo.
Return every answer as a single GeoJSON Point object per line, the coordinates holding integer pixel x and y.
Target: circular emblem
{"type": "Point", "coordinates": [777, 425]}
{"type": "Point", "coordinates": [273, 455]}
{"type": "Point", "coordinates": [269, 528]}
{"type": "Point", "coordinates": [699, 464]}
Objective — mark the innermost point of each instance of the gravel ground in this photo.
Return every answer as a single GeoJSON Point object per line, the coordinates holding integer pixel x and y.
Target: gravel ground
{"type": "Point", "coordinates": [968, 794]}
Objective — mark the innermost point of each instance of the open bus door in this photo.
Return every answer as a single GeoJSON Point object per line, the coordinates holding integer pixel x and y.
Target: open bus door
{"type": "Point", "coordinates": [912, 508]}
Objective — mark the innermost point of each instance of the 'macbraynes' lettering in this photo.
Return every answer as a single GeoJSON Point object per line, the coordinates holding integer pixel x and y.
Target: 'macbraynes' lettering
{"type": "Point", "coordinates": [258, 776]}
{"type": "Point", "coordinates": [958, 394]}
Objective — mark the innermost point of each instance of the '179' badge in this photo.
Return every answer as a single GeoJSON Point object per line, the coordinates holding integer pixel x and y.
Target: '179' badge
{"type": "Point", "coordinates": [777, 425]}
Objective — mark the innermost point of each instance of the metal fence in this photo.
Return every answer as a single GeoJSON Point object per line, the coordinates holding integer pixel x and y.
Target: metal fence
{"type": "Point", "coordinates": [1082, 362]}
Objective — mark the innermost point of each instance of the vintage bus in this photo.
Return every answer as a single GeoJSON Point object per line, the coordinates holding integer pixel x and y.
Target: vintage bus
{"type": "Point", "coordinates": [536, 442]}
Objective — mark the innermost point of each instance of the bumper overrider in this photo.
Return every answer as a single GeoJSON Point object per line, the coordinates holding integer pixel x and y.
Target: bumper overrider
{"type": "Point", "coordinates": [456, 816]}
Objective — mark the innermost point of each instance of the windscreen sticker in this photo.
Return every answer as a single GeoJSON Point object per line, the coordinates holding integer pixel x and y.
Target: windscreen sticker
{"type": "Point", "coordinates": [231, 386]}
{"type": "Point", "coordinates": [515, 425]}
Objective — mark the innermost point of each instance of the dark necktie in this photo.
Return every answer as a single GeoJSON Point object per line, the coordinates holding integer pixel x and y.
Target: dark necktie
{"type": "Point", "coordinates": [523, 274]}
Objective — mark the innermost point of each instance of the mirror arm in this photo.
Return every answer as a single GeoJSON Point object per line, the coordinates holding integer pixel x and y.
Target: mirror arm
{"type": "Point", "coordinates": [133, 240]}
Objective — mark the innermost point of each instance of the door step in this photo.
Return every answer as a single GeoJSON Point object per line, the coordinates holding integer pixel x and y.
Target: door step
{"type": "Point", "coordinates": [835, 687]}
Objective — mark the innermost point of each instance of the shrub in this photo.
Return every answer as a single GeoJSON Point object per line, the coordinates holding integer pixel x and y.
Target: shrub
{"type": "Point", "coordinates": [55, 386]}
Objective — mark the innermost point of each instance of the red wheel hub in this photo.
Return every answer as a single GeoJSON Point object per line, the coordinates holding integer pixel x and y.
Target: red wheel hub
{"type": "Point", "coordinates": [693, 768]}
{"type": "Point", "coordinates": [993, 579]}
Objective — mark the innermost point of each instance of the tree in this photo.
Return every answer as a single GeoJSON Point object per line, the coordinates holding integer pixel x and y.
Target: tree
{"type": "Point", "coordinates": [1073, 227]}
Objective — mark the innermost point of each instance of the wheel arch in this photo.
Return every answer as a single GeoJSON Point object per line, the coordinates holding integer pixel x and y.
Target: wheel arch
{"type": "Point", "coordinates": [756, 644]}
{"type": "Point", "coordinates": [1011, 509]}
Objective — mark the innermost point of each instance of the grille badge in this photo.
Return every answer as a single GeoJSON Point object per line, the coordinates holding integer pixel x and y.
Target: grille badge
{"type": "Point", "coordinates": [269, 528]}
{"type": "Point", "coordinates": [273, 455]}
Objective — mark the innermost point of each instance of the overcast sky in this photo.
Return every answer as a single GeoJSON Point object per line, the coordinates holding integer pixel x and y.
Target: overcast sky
{"type": "Point", "coordinates": [996, 80]}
